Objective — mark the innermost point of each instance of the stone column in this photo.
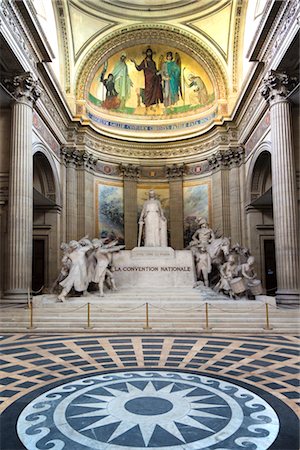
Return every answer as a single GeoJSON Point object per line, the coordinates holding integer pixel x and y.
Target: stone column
{"type": "Point", "coordinates": [218, 164]}
{"type": "Point", "coordinates": [85, 194]}
{"type": "Point", "coordinates": [25, 91]}
{"type": "Point", "coordinates": [235, 159]}
{"type": "Point", "coordinates": [275, 90]}
{"type": "Point", "coordinates": [72, 158]}
{"type": "Point", "coordinates": [130, 175]}
{"type": "Point", "coordinates": [175, 176]}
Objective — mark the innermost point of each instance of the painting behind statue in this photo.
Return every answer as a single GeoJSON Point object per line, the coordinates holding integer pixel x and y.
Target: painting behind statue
{"type": "Point", "coordinates": [197, 203]}
{"type": "Point", "coordinates": [194, 92]}
{"type": "Point", "coordinates": [109, 207]}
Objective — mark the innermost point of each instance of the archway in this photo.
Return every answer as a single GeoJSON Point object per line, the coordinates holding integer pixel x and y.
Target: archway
{"type": "Point", "coordinates": [46, 219]}
{"type": "Point", "coordinates": [260, 216]}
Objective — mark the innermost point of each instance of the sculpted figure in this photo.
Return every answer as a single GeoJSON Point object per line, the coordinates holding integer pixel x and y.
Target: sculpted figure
{"type": "Point", "coordinates": [77, 276]}
{"type": "Point", "coordinates": [65, 266]}
{"type": "Point", "coordinates": [154, 222]}
{"type": "Point", "coordinates": [203, 236]}
{"type": "Point", "coordinates": [103, 255]}
{"type": "Point", "coordinates": [250, 277]}
{"type": "Point", "coordinates": [203, 264]}
{"type": "Point", "coordinates": [228, 271]}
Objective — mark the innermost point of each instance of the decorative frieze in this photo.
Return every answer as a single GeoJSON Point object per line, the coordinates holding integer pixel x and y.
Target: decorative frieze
{"type": "Point", "coordinates": [228, 158]}
{"type": "Point", "coordinates": [129, 171]}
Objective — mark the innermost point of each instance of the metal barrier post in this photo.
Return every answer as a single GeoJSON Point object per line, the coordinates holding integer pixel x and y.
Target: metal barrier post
{"type": "Point", "coordinates": [207, 327]}
{"type": "Point", "coordinates": [267, 326]}
{"type": "Point", "coordinates": [146, 327]}
{"type": "Point", "coordinates": [30, 307]}
{"type": "Point", "coordinates": [88, 317]}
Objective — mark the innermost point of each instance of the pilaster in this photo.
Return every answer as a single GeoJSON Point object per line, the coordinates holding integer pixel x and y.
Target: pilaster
{"type": "Point", "coordinates": [175, 174]}
{"type": "Point", "coordinates": [130, 174]}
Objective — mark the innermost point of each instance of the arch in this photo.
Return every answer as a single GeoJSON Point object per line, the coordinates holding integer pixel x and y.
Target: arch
{"type": "Point", "coordinates": [259, 173]}
{"type": "Point", "coordinates": [46, 173]}
{"type": "Point", "coordinates": [144, 34]}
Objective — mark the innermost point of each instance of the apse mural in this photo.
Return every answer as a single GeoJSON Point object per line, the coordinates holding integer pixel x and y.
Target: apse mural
{"type": "Point", "coordinates": [197, 203]}
{"type": "Point", "coordinates": [156, 81]}
{"type": "Point", "coordinates": [109, 207]}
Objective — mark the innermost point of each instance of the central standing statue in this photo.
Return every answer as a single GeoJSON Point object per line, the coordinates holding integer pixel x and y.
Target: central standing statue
{"type": "Point", "coordinates": [154, 222]}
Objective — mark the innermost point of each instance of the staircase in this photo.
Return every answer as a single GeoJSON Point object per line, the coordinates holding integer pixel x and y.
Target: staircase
{"type": "Point", "coordinates": [168, 310]}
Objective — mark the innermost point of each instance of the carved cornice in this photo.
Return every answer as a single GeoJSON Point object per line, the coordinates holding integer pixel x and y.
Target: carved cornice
{"type": "Point", "coordinates": [281, 29]}
{"type": "Point", "coordinates": [232, 157]}
{"type": "Point", "coordinates": [277, 86]}
{"type": "Point", "coordinates": [143, 33]}
{"type": "Point", "coordinates": [175, 171]}
{"type": "Point", "coordinates": [129, 171]}
{"type": "Point", "coordinates": [24, 88]}
{"type": "Point", "coordinates": [17, 29]}
{"type": "Point", "coordinates": [75, 158]}
{"type": "Point", "coordinates": [153, 152]}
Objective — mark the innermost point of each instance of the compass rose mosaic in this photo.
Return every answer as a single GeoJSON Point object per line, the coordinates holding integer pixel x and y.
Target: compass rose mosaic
{"type": "Point", "coordinates": [135, 410]}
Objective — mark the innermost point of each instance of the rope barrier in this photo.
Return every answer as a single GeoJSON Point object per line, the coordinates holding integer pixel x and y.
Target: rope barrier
{"type": "Point", "coordinates": [234, 310]}
{"type": "Point", "coordinates": [197, 308]}
{"type": "Point", "coordinates": [119, 310]}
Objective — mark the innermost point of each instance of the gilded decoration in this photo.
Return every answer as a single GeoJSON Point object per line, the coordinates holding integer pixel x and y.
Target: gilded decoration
{"type": "Point", "coordinates": [157, 80]}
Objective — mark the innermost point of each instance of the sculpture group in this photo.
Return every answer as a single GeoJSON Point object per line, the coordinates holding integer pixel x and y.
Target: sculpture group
{"type": "Point", "coordinates": [218, 265]}
{"type": "Point", "coordinates": [234, 266]}
{"type": "Point", "coordinates": [86, 262]}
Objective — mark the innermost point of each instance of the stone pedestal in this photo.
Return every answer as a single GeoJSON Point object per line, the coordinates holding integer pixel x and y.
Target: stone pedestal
{"type": "Point", "coordinates": [20, 201]}
{"type": "Point", "coordinates": [275, 91]}
{"type": "Point", "coordinates": [154, 267]}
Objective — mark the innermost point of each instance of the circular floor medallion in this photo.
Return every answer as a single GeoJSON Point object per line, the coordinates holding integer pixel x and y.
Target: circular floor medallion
{"type": "Point", "coordinates": [148, 409]}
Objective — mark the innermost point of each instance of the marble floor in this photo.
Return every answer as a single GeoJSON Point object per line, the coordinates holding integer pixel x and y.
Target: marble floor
{"type": "Point", "coordinates": [131, 392]}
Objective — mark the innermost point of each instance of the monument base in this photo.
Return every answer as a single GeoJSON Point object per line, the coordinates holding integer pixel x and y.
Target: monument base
{"type": "Point", "coordinates": [154, 267]}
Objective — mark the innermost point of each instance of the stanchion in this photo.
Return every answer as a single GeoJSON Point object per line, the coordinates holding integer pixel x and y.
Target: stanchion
{"type": "Point", "coordinates": [30, 309]}
{"type": "Point", "coordinates": [146, 327]}
{"type": "Point", "coordinates": [88, 317]}
{"type": "Point", "coordinates": [207, 327]}
{"type": "Point", "coordinates": [267, 326]}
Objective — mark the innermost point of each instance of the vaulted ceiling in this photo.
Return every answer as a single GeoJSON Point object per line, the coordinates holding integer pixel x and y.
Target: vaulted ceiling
{"type": "Point", "coordinates": [210, 32]}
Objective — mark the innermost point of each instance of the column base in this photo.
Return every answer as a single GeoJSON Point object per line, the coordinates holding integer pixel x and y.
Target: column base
{"type": "Point", "coordinates": [16, 296]}
{"type": "Point", "coordinates": [288, 298]}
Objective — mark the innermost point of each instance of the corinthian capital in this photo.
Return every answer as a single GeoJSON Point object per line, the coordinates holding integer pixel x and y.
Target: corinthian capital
{"type": "Point", "coordinates": [175, 171]}
{"type": "Point", "coordinates": [24, 88]}
{"type": "Point", "coordinates": [130, 171]}
{"type": "Point", "coordinates": [277, 86]}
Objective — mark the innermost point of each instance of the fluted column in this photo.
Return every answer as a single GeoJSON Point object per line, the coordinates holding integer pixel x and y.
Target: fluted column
{"type": "Point", "coordinates": [175, 176]}
{"type": "Point", "coordinates": [72, 159]}
{"type": "Point", "coordinates": [130, 175]}
{"type": "Point", "coordinates": [235, 195]}
{"type": "Point", "coordinates": [276, 88]}
{"type": "Point", "coordinates": [218, 164]}
{"type": "Point", "coordinates": [20, 201]}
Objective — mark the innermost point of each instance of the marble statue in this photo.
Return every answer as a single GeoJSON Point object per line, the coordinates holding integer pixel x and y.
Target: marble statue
{"type": "Point", "coordinates": [77, 276]}
{"type": "Point", "coordinates": [252, 284]}
{"type": "Point", "coordinates": [228, 271]}
{"type": "Point", "coordinates": [203, 264]}
{"type": "Point", "coordinates": [65, 266]}
{"type": "Point", "coordinates": [103, 255]}
{"type": "Point", "coordinates": [84, 262]}
{"type": "Point", "coordinates": [203, 235]}
{"type": "Point", "coordinates": [154, 222]}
